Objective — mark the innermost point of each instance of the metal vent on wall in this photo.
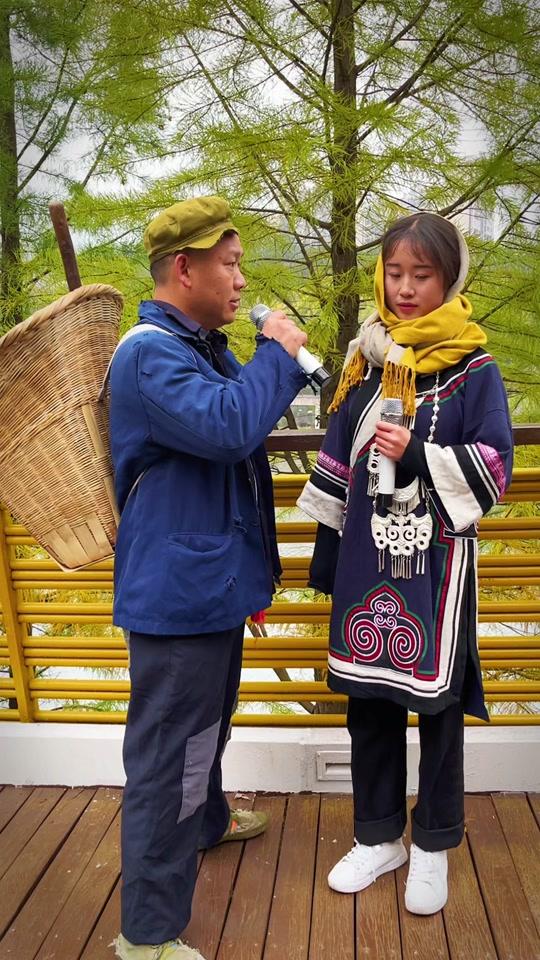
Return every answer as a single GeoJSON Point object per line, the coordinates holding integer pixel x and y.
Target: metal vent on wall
{"type": "Point", "coordinates": [333, 765]}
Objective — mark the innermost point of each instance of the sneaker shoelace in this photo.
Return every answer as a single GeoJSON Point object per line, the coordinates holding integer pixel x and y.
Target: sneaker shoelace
{"type": "Point", "coordinates": [423, 867]}
{"type": "Point", "coordinates": [163, 948]}
{"type": "Point", "coordinates": [361, 856]}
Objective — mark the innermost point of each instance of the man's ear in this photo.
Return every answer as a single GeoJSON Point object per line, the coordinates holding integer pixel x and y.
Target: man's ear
{"type": "Point", "coordinates": [182, 270]}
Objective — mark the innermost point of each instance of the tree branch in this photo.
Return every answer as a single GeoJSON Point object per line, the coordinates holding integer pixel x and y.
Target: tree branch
{"type": "Point", "coordinates": [388, 44]}
{"type": "Point", "coordinates": [47, 108]}
{"type": "Point", "coordinates": [53, 143]}
{"type": "Point", "coordinates": [303, 12]}
{"type": "Point", "coordinates": [477, 187]}
{"type": "Point", "coordinates": [499, 240]}
{"type": "Point", "coordinates": [433, 54]}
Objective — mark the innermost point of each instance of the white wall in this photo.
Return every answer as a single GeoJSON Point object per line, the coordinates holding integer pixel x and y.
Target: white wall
{"type": "Point", "coordinates": [282, 760]}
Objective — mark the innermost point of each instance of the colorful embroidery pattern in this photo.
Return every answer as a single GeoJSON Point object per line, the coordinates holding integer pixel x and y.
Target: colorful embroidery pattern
{"type": "Point", "coordinates": [381, 627]}
{"type": "Point", "coordinates": [333, 466]}
{"type": "Point", "coordinates": [494, 465]}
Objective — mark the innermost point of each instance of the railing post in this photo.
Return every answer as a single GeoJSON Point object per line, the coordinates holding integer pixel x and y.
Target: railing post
{"type": "Point", "coordinates": [15, 631]}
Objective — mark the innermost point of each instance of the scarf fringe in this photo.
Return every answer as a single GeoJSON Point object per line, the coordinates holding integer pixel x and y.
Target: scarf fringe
{"type": "Point", "coordinates": [399, 380]}
{"type": "Point", "coordinates": [351, 376]}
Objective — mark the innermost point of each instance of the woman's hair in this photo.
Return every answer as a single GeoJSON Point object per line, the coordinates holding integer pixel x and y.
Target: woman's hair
{"type": "Point", "coordinates": [430, 235]}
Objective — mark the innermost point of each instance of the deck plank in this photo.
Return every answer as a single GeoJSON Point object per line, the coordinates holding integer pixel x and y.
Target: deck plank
{"type": "Point", "coordinates": [333, 914]}
{"type": "Point", "coordinates": [511, 922]}
{"type": "Point", "coordinates": [11, 799]}
{"type": "Point", "coordinates": [32, 924]}
{"type": "Point", "coordinates": [288, 930]}
{"type": "Point", "coordinates": [422, 938]}
{"type": "Point", "coordinates": [75, 922]}
{"type": "Point", "coordinates": [245, 928]}
{"type": "Point", "coordinates": [26, 871]}
{"type": "Point", "coordinates": [466, 923]}
{"type": "Point", "coordinates": [106, 929]}
{"type": "Point", "coordinates": [534, 800]}
{"type": "Point", "coordinates": [215, 884]}
{"type": "Point", "coordinates": [268, 899]}
{"type": "Point", "coordinates": [377, 921]}
{"type": "Point", "coordinates": [523, 838]}
{"type": "Point", "coordinates": [25, 823]}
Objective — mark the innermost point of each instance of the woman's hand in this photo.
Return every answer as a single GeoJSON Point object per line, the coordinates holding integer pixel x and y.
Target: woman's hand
{"type": "Point", "coordinates": [391, 439]}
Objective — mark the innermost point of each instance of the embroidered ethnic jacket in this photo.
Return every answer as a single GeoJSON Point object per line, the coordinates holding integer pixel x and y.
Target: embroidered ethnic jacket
{"type": "Point", "coordinates": [413, 640]}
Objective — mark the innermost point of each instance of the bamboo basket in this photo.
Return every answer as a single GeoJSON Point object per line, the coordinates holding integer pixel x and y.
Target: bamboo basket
{"type": "Point", "coordinates": [55, 468]}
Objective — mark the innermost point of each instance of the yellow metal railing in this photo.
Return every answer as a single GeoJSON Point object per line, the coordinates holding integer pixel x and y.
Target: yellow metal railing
{"type": "Point", "coordinates": [57, 627]}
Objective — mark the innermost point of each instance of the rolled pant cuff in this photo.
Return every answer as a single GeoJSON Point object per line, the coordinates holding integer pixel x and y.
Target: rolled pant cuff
{"type": "Point", "coordinates": [371, 832]}
{"type": "Point", "coordinates": [435, 840]}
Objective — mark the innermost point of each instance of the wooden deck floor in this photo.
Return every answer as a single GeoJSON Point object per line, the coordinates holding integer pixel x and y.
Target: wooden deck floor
{"type": "Point", "coordinates": [267, 899]}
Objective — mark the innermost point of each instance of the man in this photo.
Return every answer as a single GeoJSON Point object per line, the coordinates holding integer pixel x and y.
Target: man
{"type": "Point", "coordinates": [196, 554]}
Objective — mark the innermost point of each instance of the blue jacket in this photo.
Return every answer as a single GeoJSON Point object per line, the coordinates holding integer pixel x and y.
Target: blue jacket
{"type": "Point", "coordinates": [196, 542]}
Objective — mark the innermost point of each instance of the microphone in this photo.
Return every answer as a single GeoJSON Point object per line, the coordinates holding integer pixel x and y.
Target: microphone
{"type": "Point", "coordinates": [311, 365]}
{"type": "Point", "coordinates": [391, 412]}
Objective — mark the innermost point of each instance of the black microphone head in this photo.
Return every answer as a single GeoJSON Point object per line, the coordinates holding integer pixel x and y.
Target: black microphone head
{"type": "Point", "coordinates": [392, 410]}
{"type": "Point", "coordinates": [258, 314]}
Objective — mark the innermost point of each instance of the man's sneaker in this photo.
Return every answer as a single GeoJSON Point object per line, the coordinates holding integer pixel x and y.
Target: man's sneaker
{"type": "Point", "coordinates": [363, 864]}
{"type": "Point", "coordinates": [245, 824]}
{"type": "Point", "coordinates": [172, 950]}
{"type": "Point", "coordinates": [427, 884]}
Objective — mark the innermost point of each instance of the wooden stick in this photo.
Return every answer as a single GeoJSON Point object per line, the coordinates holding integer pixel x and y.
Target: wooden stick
{"type": "Point", "coordinates": [67, 251]}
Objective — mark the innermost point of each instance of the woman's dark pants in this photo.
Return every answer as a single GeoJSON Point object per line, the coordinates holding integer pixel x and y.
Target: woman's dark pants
{"type": "Point", "coordinates": [183, 692]}
{"type": "Point", "coordinates": [378, 730]}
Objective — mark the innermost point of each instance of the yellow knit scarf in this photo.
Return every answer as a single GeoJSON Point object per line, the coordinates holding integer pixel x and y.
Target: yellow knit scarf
{"type": "Point", "coordinates": [434, 342]}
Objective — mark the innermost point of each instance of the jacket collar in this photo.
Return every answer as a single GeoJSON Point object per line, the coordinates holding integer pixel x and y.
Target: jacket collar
{"type": "Point", "coordinates": [172, 319]}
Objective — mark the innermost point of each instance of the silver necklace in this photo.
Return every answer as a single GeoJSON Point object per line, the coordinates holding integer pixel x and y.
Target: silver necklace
{"type": "Point", "coordinates": [401, 533]}
{"type": "Point", "coordinates": [435, 414]}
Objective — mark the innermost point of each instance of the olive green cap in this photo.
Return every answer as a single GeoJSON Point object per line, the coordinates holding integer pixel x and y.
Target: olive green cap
{"type": "Point", "coordinates": [198, 223]}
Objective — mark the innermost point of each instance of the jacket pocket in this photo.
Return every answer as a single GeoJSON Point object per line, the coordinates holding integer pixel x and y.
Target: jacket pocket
{"type": "Point", "coordinates": [202, 571]}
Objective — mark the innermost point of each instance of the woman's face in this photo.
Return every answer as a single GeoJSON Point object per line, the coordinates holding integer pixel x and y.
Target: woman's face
{"type": "Point", "coordinates": [413, 286]}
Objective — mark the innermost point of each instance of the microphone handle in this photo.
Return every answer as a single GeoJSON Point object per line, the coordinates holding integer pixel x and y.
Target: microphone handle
{"type": "Point", "coordinates": [312, 366]}
{"type": "Point", "coordinates": [387, 476]}
{"type": "Point", "coordinates": [387, 467]}
{"type": "Point", "coordinates": [307, 361]}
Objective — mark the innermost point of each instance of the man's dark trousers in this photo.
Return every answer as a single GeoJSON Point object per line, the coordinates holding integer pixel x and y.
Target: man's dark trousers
{"type": "Point", "coordinates": [183, 692]}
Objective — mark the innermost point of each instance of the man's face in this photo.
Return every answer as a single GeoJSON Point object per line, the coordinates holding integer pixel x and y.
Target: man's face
{"type": "Point", "coordinates": [216, 283]}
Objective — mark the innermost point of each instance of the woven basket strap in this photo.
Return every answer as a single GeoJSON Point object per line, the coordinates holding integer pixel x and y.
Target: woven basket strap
{"type": "Point", "coordinates": [138, 328]}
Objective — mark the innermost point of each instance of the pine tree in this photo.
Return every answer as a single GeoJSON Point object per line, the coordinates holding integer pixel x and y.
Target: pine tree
{"type": "Point", "coordinates": [322, 121]}
{"type": "Point", "coordinates": [80, 96]}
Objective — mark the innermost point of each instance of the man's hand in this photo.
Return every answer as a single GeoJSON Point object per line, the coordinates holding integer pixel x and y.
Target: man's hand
{"type": "Point", "coordinates": [277, 326]}
{"type": "Point", "coordinates": [391, 439]}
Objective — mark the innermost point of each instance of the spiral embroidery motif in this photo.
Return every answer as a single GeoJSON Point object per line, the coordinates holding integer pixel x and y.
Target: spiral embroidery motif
{"type": "Point", "coordinates": [365, 639]}
{"type": "Point", "coordinates": [382, 629]}
{"type": "Point", "coordinates": [404, 646]}
{"type": "Point", "coordinates": [385, 611]}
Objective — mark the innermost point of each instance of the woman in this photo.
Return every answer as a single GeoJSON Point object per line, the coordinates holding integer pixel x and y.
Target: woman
{"type": "Point", "coordinates": [402, 568]}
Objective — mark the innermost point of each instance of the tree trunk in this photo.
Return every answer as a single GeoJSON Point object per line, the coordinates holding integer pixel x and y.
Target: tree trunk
{"type": "Point", "coordinates": [343, 158]}
{"type": "Point", "coordinates": [10, 255]}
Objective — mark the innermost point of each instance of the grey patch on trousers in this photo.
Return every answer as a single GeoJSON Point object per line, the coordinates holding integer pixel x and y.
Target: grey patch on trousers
{"type": "Point", "coordinates": [200, 754]}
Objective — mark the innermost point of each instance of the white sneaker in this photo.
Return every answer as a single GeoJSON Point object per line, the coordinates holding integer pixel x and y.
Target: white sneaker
{"type": "Point", "coordinates": [363, 864]}
{"type": "Point", "coordinates": [427, 883]}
